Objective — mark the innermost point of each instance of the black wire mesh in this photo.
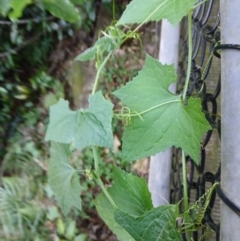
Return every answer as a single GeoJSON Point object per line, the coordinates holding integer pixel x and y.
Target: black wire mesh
{"type": "Point", "coordinates": [205, 82]}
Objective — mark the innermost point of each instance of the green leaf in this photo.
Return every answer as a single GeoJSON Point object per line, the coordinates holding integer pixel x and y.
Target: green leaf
{"type": "Point", "coordinates": [63, 178]}
{"type": "Point", "coordinates": [159, 118]}
{"type": "Point", "coordinates": [106, 212]}
{"type": "Point", "coordinates": [61, 228]}
{"type": "Point", "coordinates": [138, 11]}
{"type": "Point", "coordinates": [90, 127]}
{"type": "Point", "coordinates": [88, 54]}
{"type": "Point", "coordinates": [80, 237]}
{"type": "Point", "coordinates": [5, 6]}
{"type": "Point", "coordinates": [52, 213]}
{"type": "Point", "coordinates": [63, 9]}
{"type": "Point", "coordinates": [101, 46]}
{"type": "Point", "coordinates": [131, 195]}
{"type": "Point", "coordinates": [78, 2]}
{"type": "Point", "coordinates": [154, 225]}
{"type": "Point", "coordinates": [17, 8]}
{"type": "Point", "coordinates": [71, 230]}
{"type": "Point", "coordinates": [3, 90]}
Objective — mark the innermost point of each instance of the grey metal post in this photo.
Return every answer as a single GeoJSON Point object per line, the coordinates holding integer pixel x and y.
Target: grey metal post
{"type": "Point", "coordinates": [160, 164]}
{"type": "Point", "coordinates": [230, 130]}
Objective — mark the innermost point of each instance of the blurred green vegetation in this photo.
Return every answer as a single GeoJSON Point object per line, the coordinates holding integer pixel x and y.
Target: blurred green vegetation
{"type": "Point", "coordinates": [31, 31]}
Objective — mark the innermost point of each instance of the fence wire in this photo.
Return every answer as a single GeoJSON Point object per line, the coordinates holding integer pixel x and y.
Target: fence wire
{"type": "Point", "coordinates": [205, 82]}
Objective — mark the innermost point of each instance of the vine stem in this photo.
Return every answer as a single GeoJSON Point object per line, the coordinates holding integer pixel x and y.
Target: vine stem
{"type": "Point", "coordinates": [184, 170]}
{"type": "Point", "coordinates": [113, 10]}
{"type": "Point", "coordinates": [98, 179]}
{"type": "Point", "coordinates": [95, 156]}
{"type": "Point", "coordinates": [100, 183]}
{"type": "Point", "coordinates": [185, 195]}
{"type": "Point", "coordinates": [189, 67]}
{"type": "Point", "coordinates": [99, 72]}
{"type": "Point", "coordinates": [96, 162]}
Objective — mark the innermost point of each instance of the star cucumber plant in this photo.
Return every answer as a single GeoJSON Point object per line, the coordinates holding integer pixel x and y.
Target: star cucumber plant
{"type": "Point", "coordinates": [154, 119]}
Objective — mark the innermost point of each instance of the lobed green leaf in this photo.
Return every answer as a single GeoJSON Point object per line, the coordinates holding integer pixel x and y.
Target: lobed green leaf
{"type": "Point", "coordinates": [130, 193]}
{"type": "Point", "coordinates": [106, 212]}
{"type": "Point", "coordinates": [63, 178]}
{"type": "Point", "coordinates": [138, 11]}
{"type": "Point", "coordinates": [159, 119]}
{"type": "Point", "coordinates": [82, 128]}
{"type": "Point", "coordinates": [154, 225]}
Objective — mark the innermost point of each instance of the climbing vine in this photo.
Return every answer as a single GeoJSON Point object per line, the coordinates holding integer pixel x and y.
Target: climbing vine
{"type": "Point", "coordinates": [154, 119]}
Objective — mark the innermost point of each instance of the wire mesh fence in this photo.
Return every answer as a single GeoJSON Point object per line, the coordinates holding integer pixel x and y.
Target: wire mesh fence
{"type": "Point", "coordinates": [205, 82]}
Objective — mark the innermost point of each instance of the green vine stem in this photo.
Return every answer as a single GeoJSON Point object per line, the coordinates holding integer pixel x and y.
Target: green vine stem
{"type": "Point", "coordinates": [96, 161]}
{"type": "Point", "coordinates": [113, 11]}
{"type": "Point", "coordinates": [185, 195]}
{"type": "Point", "coordinates": [100, 183]}
{"type": "Point", "coordinates": [99, 72]}
{"type": "Point", "coordinates": [189, 67]}
{"type": "Point", "coordinates": [98, 179]}
{"type": "Point", "coordinates": [184, 170]}
{"type": "Point", "coordinates": [206, 66]}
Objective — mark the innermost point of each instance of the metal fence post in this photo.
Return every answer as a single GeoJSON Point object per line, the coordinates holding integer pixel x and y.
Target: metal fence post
{"type": "Point", "coordinates": [230, 129]}
{"type": "Point", "coordinates": [160, 164]}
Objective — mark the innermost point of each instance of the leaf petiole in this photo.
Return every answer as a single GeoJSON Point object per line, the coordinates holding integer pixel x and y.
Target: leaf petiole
{"type": "Point", "coordinates": [156, 106]}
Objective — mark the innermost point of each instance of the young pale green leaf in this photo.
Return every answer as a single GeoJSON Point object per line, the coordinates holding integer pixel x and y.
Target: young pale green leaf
{"type": "Point", "coordinates": [90, 127]}
{"type": "Point", "coordinates": [63, 9]}
{"type": "Point", "coordinates": [154, 225]}
{"type": "Point", "coordinates": [63, 178]}
{"type": "Point", "coordinates": [131, 195]}
{"type": "Point", "coordinates": [159, 118]}
{"type": "Point", "coordinates": [102, 45]}
{"type": "Point", "coordinates": [17, 8]}
{"type": "Point", "coordinates": [138, 11]}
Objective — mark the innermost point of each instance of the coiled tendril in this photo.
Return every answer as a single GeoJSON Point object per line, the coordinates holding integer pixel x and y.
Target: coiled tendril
{"type": "Point", "coordinates": [126, 116]}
